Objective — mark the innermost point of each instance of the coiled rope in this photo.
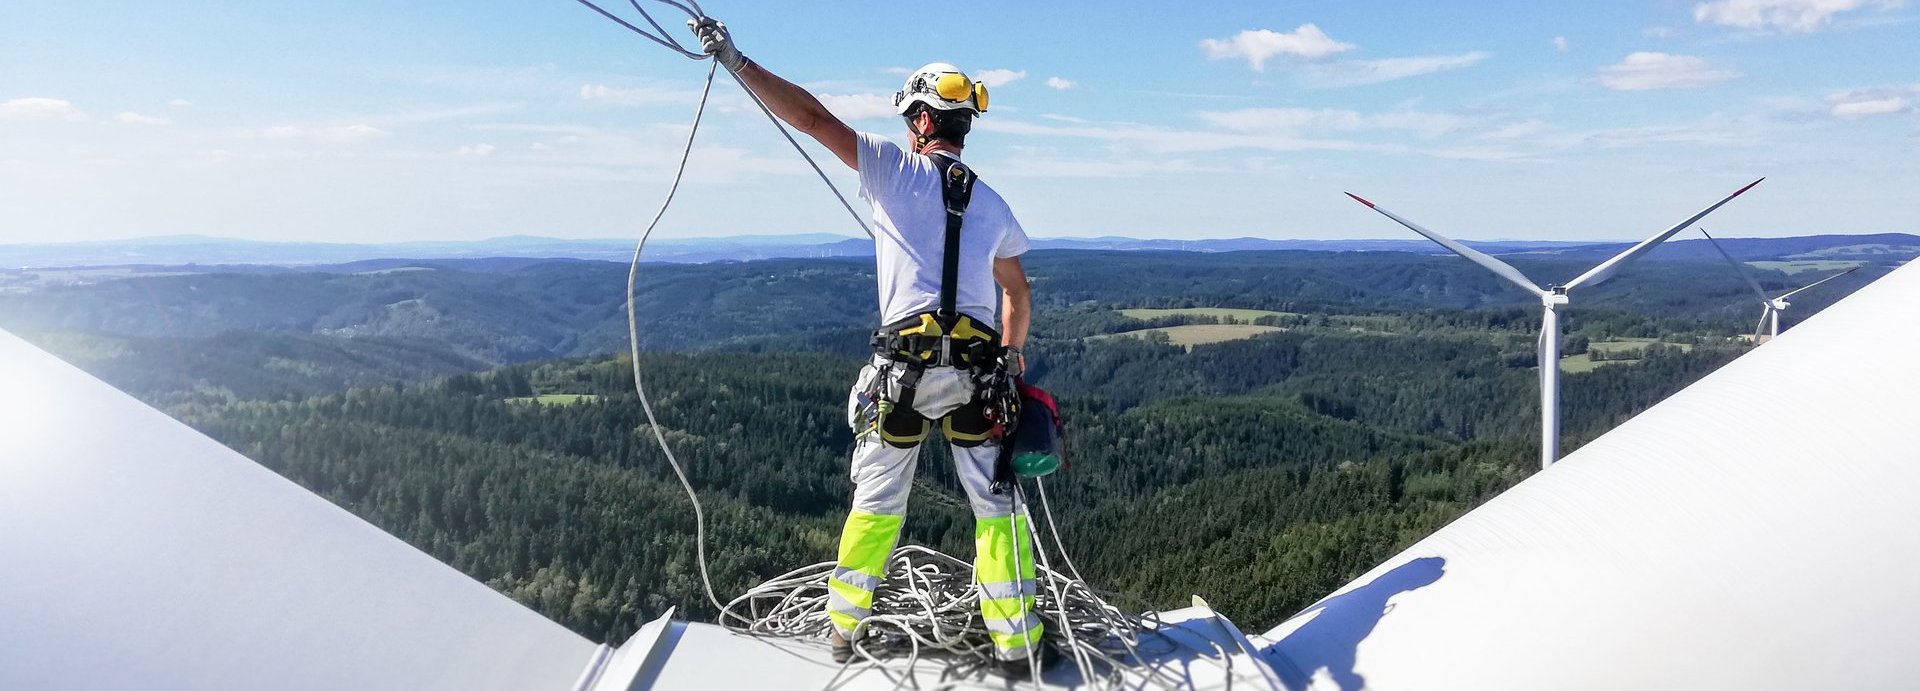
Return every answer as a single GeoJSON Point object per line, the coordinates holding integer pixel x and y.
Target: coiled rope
{"type": "Point", "coordinates": [929, 606]}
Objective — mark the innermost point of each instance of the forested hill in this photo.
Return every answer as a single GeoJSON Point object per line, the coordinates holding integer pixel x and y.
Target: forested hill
{"type": "Point", "coordinates": [1253, 427]}
{"type": "Point", "coordinates": [510, 311]}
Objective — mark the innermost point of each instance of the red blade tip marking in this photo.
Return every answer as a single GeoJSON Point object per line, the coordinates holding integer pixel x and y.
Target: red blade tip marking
{"type": "Point", "coordinates": [1749, 186]}
{"type": "Point", "coordinates": [1358, 199]}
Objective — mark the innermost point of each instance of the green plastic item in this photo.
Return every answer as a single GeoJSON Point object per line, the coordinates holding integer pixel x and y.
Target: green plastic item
{"type": "Point", "coordinates": [1032, 465]}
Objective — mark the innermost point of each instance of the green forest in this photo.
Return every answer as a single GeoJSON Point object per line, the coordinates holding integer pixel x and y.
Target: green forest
{"type": "Point", "coordinates": [487, 415]}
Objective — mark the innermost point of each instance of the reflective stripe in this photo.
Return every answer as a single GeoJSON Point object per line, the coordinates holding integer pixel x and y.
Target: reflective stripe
{"type": "Point", "coordinates": [865, 544]}
{"type": "Point", "coordinates": [1014, 646]}
{"type": "Point", "coordinates": [852, 595]}
{"type": "Point", "coordinates": [856, 579]}
{"type": "Point", "coordinates": [1014, 625]}
{"type": "Point", "coordinates": [1003, 561]}
{"type": "Point", "coordinates": [1007, 608]}
{"type": "Point", "coordinates": [1003, 591]}
{"type": "Point", "coordinates": [846, 623]}
{"type": "Point", "coordinates": [836, 604]}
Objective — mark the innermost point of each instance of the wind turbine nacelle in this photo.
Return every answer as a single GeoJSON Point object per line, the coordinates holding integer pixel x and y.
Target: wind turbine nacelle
{"type": "Point", "coordinates": [1778, 304]}
{"type": "Point", "coordinates": [1556, 297]}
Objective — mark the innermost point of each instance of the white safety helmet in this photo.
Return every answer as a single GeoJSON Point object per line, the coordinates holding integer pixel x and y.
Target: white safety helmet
{"type": "Point", "coordinates": [942, 87]}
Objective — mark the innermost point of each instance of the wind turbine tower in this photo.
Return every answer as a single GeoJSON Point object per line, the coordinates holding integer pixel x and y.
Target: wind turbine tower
{"type": "Point", "coordinates": [1770, 308]}
{"type": "Point", "coordinates": [1553, 298]}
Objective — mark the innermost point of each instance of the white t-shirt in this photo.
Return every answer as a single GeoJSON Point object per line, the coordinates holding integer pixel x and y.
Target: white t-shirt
{"type": "Point", "coordinates": [910, 234]}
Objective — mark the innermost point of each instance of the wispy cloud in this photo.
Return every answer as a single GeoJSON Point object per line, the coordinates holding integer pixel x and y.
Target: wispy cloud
{"type": "Point", "coordinates": [1648, 71]}
{"type": "Point", "coordinates": [860, 106]}
{"type": "Point", "coordinates": [1310, 50]}
{"type": "Point", "coordinates": [1883, 101]}
{"type": "Point", "coordinates": [1789, 16]}
{"type": "Point", "coordinates": [180, 103]}
{"type": "Point", "coordinates": [999, 77]}
{"type": "Point", "coordinates": [132, 118]}
{"type": "Point", "coordinates": [334, 134]}
{"type": "Point", "coordinates": [38, 108]}
{"type": "Point", "coordinates": [1328, 119]}
{"type": "Point", "coordinates": [1060, 84]}
{"type": "Point", "coordinates": [1256, 46]}
{"type": "Point", "coordinates": [475, 150]}
{"type": "Point", "coordinates": [1158, 139]}
{"type": "Point", "coordinates": [1560, 43]}
{"type": "Point", "coordinates": [1356, 72]}
{"type": "Point", "coordinates": [635, 96]}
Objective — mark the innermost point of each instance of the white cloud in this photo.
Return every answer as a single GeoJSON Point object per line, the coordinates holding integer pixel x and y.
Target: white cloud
{"type": "Point", "coordinates": [1355, 72]}
{"type": "Point", "coordinates": [339, 134]}
{"type": "Point", "coordinates": [180, 103]}
{"type": "Point", "coordinates": [1884, 101]}
{"type": "Point", "coordinates": [1060, 84]}
{"type": "Point", "coordinates": [1781, 15]}
{"type": "Point", "coordinates": [1878, 106]}
{"type": "Point", "coordinates": [605, 93]}
{"type": "Point", "coordinates": [35, 108]}
{"type": "Point", "coordinates": [475, 150]}
{"type": "Point", "coordinates": [860, 106]}
{"type": "Point", "coordinates": [1645, 71]}
{"type": "Point", "coordinates": [1000, 77]}
{"type": "Point", "coordinates": [1659, 32]}
{"type": "Point", "coordinates": [132, 118]}
{"type": "Point", "coordinates": [1560, 43]}
{"type": "Point", "coordinates": [1518, 130]}
{"type": "Point", "coordinates": [1258, 45]}
{"type": "Point", "coordinates": [1297, 119]}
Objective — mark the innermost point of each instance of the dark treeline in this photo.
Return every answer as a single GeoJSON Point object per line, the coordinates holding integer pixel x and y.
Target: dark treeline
{"type": "Point", "coordinates": [1260, 473]}
{"type": "Point", "coordinates": [516, 312]}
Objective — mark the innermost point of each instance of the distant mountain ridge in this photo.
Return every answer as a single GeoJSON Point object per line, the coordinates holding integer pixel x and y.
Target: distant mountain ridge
{"type": "Point", "coordinates": [179, 250]}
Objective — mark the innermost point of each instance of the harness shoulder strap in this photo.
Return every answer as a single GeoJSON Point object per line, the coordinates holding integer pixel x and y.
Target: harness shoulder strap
{"type": "Point", "coordinates": [956, 189]}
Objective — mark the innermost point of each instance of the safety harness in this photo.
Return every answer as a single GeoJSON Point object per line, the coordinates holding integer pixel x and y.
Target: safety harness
{"type": "Point", "coordinates": [943, 337]}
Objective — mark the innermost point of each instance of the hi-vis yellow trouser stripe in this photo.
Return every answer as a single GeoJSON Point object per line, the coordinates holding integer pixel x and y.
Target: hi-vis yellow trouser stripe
{"type": "Point", "coordinates": [865, 544]}
{"type": "Point", "coordinates": [1006, 592]}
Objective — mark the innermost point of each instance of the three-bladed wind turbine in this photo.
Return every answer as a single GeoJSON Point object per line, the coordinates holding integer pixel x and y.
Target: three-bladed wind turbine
{"type": "Point", "coordinates": [1770, 307]}
{"type": "Point", "coordinates": [1552, 298]}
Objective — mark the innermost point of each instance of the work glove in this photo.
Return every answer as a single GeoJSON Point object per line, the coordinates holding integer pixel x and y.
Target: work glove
{"type": "Point", "coordinates": [1013, 363]}
{"type": "Point", "coordinates": [715, 41]}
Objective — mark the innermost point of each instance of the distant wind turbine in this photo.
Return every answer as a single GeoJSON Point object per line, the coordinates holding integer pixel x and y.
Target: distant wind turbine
{"type": "Point", "coordinates": [1552, 298]}
{"type": "Point", "coordinates": [1770, 308]}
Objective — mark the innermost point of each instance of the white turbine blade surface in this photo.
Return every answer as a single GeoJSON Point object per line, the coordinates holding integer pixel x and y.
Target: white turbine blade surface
{"type": "Point", "coordinates": [1503, 269]}
{"type": "Point", "coordinates": [1815, 283]}
{"type": "Point", "coordinates": [1608, 267]}
{"type": "Point", "coordinates": [1762, 326]}
{"type": "Point", "coordinates": [1754, 531]}
{"type": "Point", "coordinates": [1737, 266]}
{"type": "Point", "coordinates": [137, 553]}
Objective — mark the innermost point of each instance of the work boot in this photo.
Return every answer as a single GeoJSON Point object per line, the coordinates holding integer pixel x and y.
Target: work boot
{"type": "Point", "coordinates": [842, 648]}
{"type": "Point", "coordinates": [1022, 670]}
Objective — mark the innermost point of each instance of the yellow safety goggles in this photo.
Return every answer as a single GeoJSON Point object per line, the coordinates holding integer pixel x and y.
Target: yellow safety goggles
{"type": "Point", "coordinates": [958, 88]}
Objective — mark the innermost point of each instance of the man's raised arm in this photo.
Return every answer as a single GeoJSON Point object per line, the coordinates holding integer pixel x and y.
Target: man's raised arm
{"type": "Point", "coordinates": [791, 103]}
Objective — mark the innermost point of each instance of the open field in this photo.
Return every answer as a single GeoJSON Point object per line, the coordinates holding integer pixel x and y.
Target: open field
{"type": "Point", "coordinates": [1805, 265]}
{"type": "Point", "coordinates": [1619, 344]}
{"type": "Point", "coordinates": [1225, 314]}
{"type": "Point", "coordinates": [557, 399]}
{"type": "Point", "coordinates": [1191, 335]}
{"type": "Point", "coordinates": [1583, 362]}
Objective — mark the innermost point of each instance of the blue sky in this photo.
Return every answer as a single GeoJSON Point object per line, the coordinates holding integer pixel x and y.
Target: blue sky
{"type": "Point", "coordinates": [370, 121]}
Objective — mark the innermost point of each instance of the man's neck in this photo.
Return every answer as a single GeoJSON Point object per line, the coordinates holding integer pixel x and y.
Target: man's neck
{"type": "Point", "coordinates": [940, 146]}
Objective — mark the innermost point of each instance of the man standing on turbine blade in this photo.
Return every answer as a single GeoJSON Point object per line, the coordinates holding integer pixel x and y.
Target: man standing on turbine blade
{"type": "Point", "coordinates": [942, 240]}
